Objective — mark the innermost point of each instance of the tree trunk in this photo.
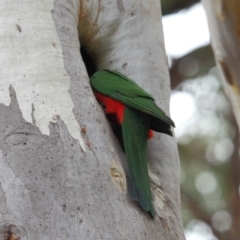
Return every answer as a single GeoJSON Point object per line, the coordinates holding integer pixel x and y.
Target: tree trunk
{"type": "Point", "coordinates": [61, 169]}
{"type": "Point", "coordinates": [224, 26]}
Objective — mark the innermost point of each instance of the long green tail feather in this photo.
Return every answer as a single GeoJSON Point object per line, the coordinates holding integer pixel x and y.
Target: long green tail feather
{"type": "Point", "coordinates": [135, 129]}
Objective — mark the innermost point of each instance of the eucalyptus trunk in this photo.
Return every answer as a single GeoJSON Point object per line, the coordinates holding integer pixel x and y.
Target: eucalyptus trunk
{"type": "Point", "coordinates": [224, 26]}
{"type": "Point", "coordinates": [62, 171]}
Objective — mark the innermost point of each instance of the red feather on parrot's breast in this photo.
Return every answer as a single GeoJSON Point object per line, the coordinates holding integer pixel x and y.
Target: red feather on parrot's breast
{"type": "Point", "coordinates": [112, 106]}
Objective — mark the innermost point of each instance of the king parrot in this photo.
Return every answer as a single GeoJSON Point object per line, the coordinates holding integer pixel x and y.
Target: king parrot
{"type": "Point", "coordinates": [136, 112]}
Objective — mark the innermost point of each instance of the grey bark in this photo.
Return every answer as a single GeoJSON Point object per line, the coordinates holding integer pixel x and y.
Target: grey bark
{"type": "Point", "coordinates": [224, 21]}
{"type": "Point", "coordinates": [50, 188]}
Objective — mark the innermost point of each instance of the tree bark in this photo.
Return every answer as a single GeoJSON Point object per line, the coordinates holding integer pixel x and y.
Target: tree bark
{"type": "Point", "coordinates": [224, 25]}
{"type": "Point", "coordinates": [62, 172]}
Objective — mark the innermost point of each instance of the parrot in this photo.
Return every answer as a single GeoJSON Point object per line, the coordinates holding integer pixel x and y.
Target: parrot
{"type": "Point", "coordinates": [135, 111]}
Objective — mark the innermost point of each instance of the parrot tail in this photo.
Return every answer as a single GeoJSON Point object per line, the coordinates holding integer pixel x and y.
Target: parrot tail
{"type": "Point", "coordinates": [135, 129]}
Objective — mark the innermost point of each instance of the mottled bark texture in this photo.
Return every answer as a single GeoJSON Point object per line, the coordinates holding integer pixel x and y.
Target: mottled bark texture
{"type": "Point", "coordinates": [50, 188]}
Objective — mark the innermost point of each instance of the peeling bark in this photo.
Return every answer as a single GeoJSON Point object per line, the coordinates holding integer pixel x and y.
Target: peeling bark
{"type": "Point", "coordinates": [49, 187]}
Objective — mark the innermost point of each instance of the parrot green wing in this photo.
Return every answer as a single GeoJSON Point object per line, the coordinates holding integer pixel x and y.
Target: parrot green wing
{"type": "Point", "coordinates": [135, 129]}
{"type": "Point", "coordinates": [109, 82]}
{"type": "Point", "coordinates": [119, 87]}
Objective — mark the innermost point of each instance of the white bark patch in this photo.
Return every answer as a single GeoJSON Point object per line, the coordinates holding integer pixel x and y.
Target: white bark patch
{"type": "Point", "coordinates": [31, 48]}
{"type": "Point", "coordinates": [158, 196]}
{"type": "Point", "coordinates": [118, 176]}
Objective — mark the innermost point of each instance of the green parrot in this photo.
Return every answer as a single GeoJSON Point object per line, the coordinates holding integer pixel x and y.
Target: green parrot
{"type": "Point", "coordinates": [129, 106]}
